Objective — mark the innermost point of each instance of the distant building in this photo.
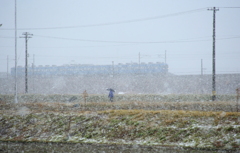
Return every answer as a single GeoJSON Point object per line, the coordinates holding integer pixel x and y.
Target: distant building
{"type": "Point", "coordinates": [85, 69]}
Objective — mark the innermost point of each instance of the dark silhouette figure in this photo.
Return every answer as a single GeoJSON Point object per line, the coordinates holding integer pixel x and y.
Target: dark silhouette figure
{"type": "Point", "coordinates": [111, 94]}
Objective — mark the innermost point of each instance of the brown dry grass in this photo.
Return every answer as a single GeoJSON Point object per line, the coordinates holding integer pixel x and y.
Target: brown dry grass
{"type": "Point", "coordinates": [123, 120]}
{"type": "Point", "coordinates": [183, 109]}
{"type": "Point", "coordinates": [170, 113]}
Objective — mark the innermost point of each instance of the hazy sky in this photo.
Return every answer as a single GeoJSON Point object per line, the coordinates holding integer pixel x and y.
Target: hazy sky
{"type": "Point", "coordinates": [102, 31]}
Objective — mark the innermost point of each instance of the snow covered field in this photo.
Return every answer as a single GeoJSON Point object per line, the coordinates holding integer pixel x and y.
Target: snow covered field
{"type": "Point", "coordinates": [101, 123]}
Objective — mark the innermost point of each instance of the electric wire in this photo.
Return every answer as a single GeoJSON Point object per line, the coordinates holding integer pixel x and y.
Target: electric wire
{"type": "Point", "coordinates": [228, 7]}
{"type": "Point", "coordinates": [113, 23]}
{"type": "Point", "coordinates": [124, 42]}
{"type": "Point", "coordinates": [198, 39]}
{"type": "Point", "coordinates": [140, 42]}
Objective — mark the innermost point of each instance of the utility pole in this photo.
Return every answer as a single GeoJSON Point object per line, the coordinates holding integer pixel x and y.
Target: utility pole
{"type": "Point", "coordinates": [139, 58]}
{"type": "Point", "coordinates": [201, 76]}
{"type": "Point", "coordinates": [213, 58]}
{"type": "Point", "coordinates": [139, 62]}
{"type": "Point", "coordinates": [26, 36]}
{"type": "Point", "coordinates": [165, 57]}
{"type": "Point", "coordinates": [113, 74]}
{"type": "Point", "coordinates": [7, 67]}
{"type": "Point", "coordinates": [15, 78]}
{"type": "Point", "coordinates": [33, 64]}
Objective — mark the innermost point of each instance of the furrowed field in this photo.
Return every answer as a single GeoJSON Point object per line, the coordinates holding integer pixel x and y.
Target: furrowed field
{"type": "Point", "coordinates": [169, 121]}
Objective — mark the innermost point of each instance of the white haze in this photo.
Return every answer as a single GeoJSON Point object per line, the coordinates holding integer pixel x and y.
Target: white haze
{"type": "Point", "coordinates": [100, 32]}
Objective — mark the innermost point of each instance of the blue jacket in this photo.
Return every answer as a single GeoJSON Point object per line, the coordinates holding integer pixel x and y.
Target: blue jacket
{"type": "Point", "coordinates": [110, 94]}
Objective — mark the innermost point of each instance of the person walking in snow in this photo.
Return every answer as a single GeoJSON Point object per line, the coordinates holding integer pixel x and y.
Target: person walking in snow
{"type": "Point", "coordinates": [111, 94]}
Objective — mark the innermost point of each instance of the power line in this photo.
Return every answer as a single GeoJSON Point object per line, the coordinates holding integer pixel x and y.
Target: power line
{"type": "Point", "coordinates": [115, 23]}
{"type": "Point", "coordinates": [228, 7]}
{"type": "Point", "coordinates": [120, 22]}
{"type": "Point", "coordinates": [187, 39]}
{"type": "Point", "coordinates": [6, 37]}
{"type": "Point", "coordinates": [141, 42]}
{"type": "Point", "coordinates": [131, 42]}
{"type": "Point", "coordinates": [201, 38]}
